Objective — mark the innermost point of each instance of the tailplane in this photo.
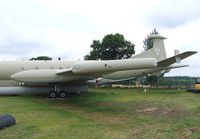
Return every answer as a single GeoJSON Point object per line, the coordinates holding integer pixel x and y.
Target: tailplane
{"type": "Point", "coordinates": [175, 59]}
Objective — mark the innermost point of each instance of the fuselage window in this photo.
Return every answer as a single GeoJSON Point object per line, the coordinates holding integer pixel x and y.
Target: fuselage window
{"type": "Point", "coordinates": [22, 68]}
{"type": "Point", "coordinates": [60, 67]}
{"type": "Point", "coordinates": [36, 68]}
{"type": "Point", "coordinates": [52, 67]}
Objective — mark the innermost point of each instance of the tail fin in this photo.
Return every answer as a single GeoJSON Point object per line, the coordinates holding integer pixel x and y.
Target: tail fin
{"type": "Point", "coordinates": [157, 51]}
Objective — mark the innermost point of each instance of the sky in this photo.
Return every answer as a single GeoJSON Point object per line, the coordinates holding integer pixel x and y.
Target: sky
{"type": "Point", "coordinates": [66, 28]}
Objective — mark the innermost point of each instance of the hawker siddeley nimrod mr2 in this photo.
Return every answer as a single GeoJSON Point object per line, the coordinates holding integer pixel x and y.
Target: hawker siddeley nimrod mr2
{"type": "Point", "coordinates": [60, 78]}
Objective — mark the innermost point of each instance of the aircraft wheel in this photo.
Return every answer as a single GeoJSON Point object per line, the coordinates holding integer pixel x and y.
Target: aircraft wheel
{"type": "Point", "coordinates": [62, 94]}
{"type": "Point", "coordinates": [52, 94]}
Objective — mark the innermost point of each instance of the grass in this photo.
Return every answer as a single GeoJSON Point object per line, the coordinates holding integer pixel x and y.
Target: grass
{"type": "Point", "coordinates": [105, 113]}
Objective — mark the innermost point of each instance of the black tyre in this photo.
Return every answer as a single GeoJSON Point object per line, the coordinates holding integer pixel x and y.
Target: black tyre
{"type": "Point", "coordinates": [52, 94]}
{"type": "Point", "coordinates": [62, 94]}
{"type": "Point", "coordinates": [7, 120]}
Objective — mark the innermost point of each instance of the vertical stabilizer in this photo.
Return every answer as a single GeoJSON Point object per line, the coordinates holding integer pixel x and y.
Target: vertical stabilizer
{"type": "Point", "coordinates": [157, 51]}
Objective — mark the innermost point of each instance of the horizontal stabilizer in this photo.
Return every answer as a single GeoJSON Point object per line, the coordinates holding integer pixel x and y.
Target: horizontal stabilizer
{"type": "Point", "coordinates": [175, 59]}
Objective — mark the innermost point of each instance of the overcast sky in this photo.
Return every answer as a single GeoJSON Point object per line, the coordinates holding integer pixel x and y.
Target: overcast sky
{"type": "Point", "coordinates": [66, 28]}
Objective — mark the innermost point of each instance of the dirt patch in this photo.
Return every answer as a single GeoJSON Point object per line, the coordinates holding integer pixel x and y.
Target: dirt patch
{"type": "Point", "coordinates": [194, 130]}
{"type": "Point", "coordinates": [165, 112]}
{"type": "Point", "coordinates": [147, 108]}
{"type": "Point", "coordinates": [187, 132]}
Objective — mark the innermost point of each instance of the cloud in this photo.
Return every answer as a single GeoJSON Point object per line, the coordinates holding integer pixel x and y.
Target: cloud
{"type": "Point", "coordinates": [172, 14]}
{"type": "Point", "coordinates": [22, 48]}
{"type": "Point", "coordinates": [184, 38]}
{"type": "Point", "coordinates": [66, 28]}
{"type": "Point", "coordinates": [18, 48]}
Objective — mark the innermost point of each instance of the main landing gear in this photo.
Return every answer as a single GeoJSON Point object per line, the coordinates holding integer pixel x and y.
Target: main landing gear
{"type": "Point", "coordinates": [65, 91]}
{"type": "Point", "coordinates": [55, 94]}
{"type": "Point", "coordinates": [58, 92]}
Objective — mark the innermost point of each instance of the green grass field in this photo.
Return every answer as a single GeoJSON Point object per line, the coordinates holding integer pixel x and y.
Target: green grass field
{"type": "Point", "coordinates": [105, 113]}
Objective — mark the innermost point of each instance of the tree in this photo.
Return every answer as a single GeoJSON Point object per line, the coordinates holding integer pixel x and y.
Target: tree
{"type": "Point", "coordinates": [148, 42]}
{"type": "Point", "coordinates": [41, 58]}
{"type": "Point", "coordinates": [112, 47]}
